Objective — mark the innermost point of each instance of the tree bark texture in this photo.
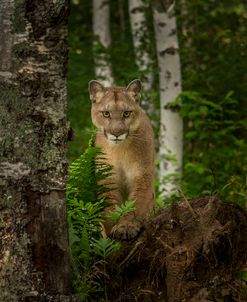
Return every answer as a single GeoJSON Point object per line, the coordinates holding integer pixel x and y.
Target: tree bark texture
{"type": "Point", "coordinates": [34, 256]}
{"type": "Point", "coordinates": [171, 125]}
{"type": "Point", "coordinates": [141, 42]}
{"type": "Point", "coordinates": [102, 34]}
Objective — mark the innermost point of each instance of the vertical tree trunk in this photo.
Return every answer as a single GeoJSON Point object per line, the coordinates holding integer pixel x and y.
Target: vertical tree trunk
{"type": "Point", "coordinates": [34, 257]}
{"type": "Point", "coordinates": [121, 18]}
{"type": "Point", "coordinates": [101, 30]}
{"type": "Point", "coordinates": [171, 126]}
{"type": "Point", "coordinates": [141, 42]}
{"type": "Point", "coordinates": [185, 25]}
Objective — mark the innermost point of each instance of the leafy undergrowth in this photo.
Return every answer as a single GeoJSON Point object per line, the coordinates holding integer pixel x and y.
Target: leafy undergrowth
{"type": "Point", "coordinates": [90, 251]}
{"type": "Point", "coordinates": [85, 203]}
{"type": "Point", "coordinates": [186, 252]}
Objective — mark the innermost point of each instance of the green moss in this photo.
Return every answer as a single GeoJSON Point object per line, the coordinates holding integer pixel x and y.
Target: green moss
{"type": "Point", "coordinates": [11, 98]}
{"type": "Point", "coordinates": [19, 22]}
{"type": "Point", "coordinates": [22, 49]}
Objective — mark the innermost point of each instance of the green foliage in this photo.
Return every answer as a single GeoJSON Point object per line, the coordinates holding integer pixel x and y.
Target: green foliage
{"type": "Point", "coordinates": [215, 157]}
{"type": "Point", "coordinates": [85, 203]}
{"type": "Point", "coordinates": [243, 277]}
{"type": "Point", "coordinates": [84, 215]}
{"type": "Point", "coordinates": [213, 51]}
{"type": "Point", "coordinates": [84, 182]}
{"type": "Point", "coordinates": [80, 72]}
{"type": "Point", "coordinates": [122, 210]}
{"type": "Point", "coordinates": [104, 247]}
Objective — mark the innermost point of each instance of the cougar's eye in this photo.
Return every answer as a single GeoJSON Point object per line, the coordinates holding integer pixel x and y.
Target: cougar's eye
{"type": "Point", "coordinates": [126, 113]}
{"type": "Point", "coordinates": [106, 114]}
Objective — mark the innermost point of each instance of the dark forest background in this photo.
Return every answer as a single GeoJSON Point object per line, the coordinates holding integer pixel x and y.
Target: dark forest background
{"type": "Point", "coordinates": [213, 52]}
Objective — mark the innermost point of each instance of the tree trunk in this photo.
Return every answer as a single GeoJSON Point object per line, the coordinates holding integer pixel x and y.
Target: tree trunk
{"type": "Point", "coordinates": [121, 18]}
{"type": "Point", "coordinates": [141, 43]}
{"type": "Point", "coordinates": [101, 30]}
{"type": "Point", "coordinates": [34, 255]}
{"type": "Point", "coordinates": [171, 126]}
{"type": "Point", "coordinates": [185, 24]}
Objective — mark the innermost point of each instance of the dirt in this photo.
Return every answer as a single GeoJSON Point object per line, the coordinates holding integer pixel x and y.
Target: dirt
{"type": "Point", "coordinates": [187, 252]}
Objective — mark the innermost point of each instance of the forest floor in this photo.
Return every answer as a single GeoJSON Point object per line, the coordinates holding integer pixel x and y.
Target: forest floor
{"type": "Point", "coordinates": [187, 252]}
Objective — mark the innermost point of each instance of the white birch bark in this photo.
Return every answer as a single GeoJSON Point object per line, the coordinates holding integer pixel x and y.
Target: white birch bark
{"type": "Point", "coordinates": [141, 41]}
{"type": "Point", "coordinates": [171, 125]}
{"type": "Point", "coordinates": [101, 30]}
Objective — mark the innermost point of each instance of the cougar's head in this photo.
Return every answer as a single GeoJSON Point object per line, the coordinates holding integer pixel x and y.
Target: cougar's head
{"type": "Point", "coordinates": [115, 110]}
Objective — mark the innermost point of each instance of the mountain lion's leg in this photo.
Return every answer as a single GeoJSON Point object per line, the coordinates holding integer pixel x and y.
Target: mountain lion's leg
{"type": "Point", "coordinates": [141, 190]}
{"type": "Point", "coordinates": [112, 199]}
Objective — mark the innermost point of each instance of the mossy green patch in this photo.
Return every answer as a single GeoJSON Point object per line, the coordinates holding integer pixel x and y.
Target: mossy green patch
{"type": "Point", "coordinates": [22, 49]}
{"type": "Point", "coordinates": [19, 22]}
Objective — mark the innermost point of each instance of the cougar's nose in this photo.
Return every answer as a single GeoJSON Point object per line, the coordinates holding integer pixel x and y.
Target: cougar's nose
{"type": "Point", "coordinates": [117, 132]}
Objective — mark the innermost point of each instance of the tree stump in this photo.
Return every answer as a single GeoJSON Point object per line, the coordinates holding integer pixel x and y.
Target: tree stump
{"type": "Point", "coordinates": [188, 252]}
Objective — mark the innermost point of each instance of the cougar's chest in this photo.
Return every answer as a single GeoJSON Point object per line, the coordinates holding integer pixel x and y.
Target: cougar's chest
{"type": "Point", "coordinates": [125, 162]}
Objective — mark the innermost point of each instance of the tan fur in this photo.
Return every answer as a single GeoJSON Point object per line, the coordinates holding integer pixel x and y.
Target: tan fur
{"type": "Point", "coordinates": [132, 158]}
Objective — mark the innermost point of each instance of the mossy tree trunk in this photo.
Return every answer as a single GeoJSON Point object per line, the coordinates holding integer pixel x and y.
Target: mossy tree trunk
{"type": "Point", "coordinates": [34, 257]}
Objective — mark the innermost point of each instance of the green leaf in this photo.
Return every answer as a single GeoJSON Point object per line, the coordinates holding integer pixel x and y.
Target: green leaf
{"type": "Point", "coordinates": [72, 235]}
{"type": "Point", "coordinates": [243, 274]}
{"type": "Point", "coordinates": [122, 210]}
{"type": "Point", "coordinates": [105, 246]}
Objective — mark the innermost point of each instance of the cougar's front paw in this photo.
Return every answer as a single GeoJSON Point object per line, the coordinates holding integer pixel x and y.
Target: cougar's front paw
{"type": "Point", "coordinates": [126, 229]}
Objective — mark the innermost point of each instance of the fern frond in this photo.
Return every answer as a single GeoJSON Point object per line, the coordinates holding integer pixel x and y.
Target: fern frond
{"type": "Point", "coordinates": [85, 174]}
{"type": "Point", "coordinates": [85, 203]}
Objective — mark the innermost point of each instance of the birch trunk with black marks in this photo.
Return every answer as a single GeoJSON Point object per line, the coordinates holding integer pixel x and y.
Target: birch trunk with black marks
{"type": "Point", "coordinates": [171, 125]}
{"type": "Point", "coordinates": [102, 41]}
{"type": "Point", "coordinates": [141, 42]}
{"type": "Point", "coordinates": [34, 255]}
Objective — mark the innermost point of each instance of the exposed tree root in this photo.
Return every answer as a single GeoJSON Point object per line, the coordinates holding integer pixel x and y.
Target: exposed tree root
{"type": "Point", "coordinates": [186, 253]}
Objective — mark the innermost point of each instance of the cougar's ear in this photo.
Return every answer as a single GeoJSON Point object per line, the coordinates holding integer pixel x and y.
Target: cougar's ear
{"type": "Point", "coordinates": [134, 89]}
{"type": "Point", "coordinates": [96, 90]}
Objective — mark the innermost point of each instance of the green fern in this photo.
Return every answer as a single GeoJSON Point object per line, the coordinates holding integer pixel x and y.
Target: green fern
{"type": "Point", "coordinates": [85, 215]}
{"type": "Point", "coordinates": [122, 210]}
{"type": "Point", "coordinates": [83, 181]}
{"type": "Point", "coordinates": [104, 247]}
{"type": "Point", "coordinates": [85, 203]}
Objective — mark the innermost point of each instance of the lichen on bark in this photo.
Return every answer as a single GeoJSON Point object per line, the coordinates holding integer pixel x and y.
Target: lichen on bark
{"type": "Point", "coordinates": [34, 256]}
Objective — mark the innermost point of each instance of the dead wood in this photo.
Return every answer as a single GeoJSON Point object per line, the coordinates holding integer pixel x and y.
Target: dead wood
{"type": "Point", "coordinates": [183, 254]}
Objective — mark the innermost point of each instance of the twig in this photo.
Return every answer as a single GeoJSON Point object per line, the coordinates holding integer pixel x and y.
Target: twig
{"type": "Point", "coordinates": [131, 253]}
{"type": "Point", "coordinates": [166, 246]}
{"type": "Point", "coordinates": [186, 202]}
{"type": "Point", "coordinates": [103, 230]}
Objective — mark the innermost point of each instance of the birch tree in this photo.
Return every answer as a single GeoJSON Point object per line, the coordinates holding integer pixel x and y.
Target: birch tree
{"type": "Point", "coordinates": [34, 256]}
{"type": "Point", "coordinates": [141, 42]}
{"type": "Point", "coordinates": [171, 126]}
{"type": "Point", "coordinates": [102, 42]}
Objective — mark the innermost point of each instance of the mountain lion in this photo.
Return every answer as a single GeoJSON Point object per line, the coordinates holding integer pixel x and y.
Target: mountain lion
{"type": "Point", "coordinates": [125, 135]}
